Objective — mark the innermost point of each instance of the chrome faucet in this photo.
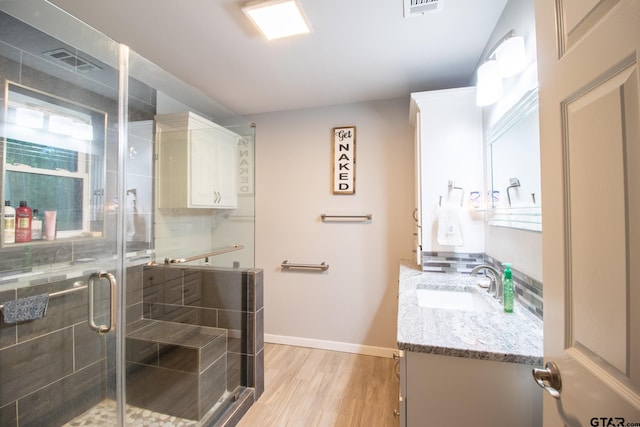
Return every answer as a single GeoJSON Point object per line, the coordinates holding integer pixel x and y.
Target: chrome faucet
{"type": "Point", "coordinates": [495, 285]}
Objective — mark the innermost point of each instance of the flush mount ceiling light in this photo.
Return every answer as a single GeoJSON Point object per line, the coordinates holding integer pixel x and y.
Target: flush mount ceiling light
{"type": "Point", "coordinates": [277, 18]}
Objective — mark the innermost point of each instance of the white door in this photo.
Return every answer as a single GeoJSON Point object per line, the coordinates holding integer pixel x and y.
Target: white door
{"type": "Point", "coordinates": [590, 151]}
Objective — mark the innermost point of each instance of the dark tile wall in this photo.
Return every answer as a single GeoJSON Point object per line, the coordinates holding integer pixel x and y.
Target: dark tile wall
{"type": "Point", "coordinates": [528, 291]}
{"type": "Point", "coordinates": [55, 368]}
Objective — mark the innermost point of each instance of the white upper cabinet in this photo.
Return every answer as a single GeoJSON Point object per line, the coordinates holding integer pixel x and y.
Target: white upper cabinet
{"type": "Point", "coordinates": [197, 163]}
{"type": "Point", "coordinates": [449, 169]}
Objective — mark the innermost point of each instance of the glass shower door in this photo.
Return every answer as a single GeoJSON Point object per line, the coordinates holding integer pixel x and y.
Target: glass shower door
{"type": "Point", "coordinates": [121, 339]}
{"type": "Point", "coordinates": [60, 289]}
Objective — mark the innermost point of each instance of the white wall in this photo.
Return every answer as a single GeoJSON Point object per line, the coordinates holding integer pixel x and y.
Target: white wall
{"type": "Point", "coordinates": [353, 306]}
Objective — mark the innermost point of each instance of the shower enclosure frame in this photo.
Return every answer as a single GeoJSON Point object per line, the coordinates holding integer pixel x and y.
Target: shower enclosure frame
{"type": "Point", "coordinates": [39, 14]}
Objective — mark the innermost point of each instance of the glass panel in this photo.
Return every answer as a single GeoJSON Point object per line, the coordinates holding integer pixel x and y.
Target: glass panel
{"type": "Point", "coordinates": [50, 193]}
{"type": "Point", "coordinates": [54, 367]}
{"type": "Point", "coordinates": [211, 297]}
{"type": "Point", "coordinates": [217, 299]}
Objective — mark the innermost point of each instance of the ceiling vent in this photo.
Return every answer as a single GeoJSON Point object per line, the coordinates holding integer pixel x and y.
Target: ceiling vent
{"type": "Point", "coordinates": [421, 7]}
{"type": "Point", "coordinates": [72, 60]}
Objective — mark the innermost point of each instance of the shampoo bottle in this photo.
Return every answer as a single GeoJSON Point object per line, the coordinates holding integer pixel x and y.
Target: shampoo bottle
{"type": "Point", "coordinates": [507, 290]}
{"type": "Point", "coordinates": [36, 226]}
{"type": "Point", "coordinates": [23, 223]}
{"type": "Point", "coordinates": [9, 223]}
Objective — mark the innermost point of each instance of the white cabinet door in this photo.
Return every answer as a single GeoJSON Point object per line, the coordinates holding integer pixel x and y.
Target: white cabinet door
{"type": "Point", "coordinates": [197, 163]}
{"type": "Point", "coordinates": [202, 169]}
{"type": "Point", "coordinates": [450, 149]}
{"type": "Point", "coordinates": [226, 169]}
{"type": "Point", "coordinates": [457, 391]}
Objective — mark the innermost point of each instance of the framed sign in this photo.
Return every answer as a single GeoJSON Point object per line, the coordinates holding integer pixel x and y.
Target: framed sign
{"type": "Point", "coordinates": [344, 160]}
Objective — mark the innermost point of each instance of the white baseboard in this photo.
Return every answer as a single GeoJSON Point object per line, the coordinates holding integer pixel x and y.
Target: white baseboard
{"type": "Point", "coordinates": [344, 347]}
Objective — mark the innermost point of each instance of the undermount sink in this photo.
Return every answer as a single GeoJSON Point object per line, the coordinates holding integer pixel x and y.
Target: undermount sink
{"type": "Point", "coordinates": [465, 300]}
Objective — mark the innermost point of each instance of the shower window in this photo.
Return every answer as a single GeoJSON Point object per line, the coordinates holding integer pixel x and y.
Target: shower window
{"type": "Point", "coordinates": [51, 147]}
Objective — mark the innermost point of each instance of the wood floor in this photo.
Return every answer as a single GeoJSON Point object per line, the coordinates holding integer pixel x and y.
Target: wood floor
{"type": "Point", "coordinates": [318, 388]}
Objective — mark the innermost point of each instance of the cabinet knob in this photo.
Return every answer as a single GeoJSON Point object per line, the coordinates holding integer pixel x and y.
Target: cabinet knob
{"type": "Point", "coordinates": [396, 413]}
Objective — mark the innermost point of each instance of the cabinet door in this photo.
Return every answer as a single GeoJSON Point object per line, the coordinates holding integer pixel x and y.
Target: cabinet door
{"type": "Point", "coordinates": [203, 161]}
{"type": "Point", "coordinates": [417, 213]}
{"type": "Point", "coordinates": [226, 186]}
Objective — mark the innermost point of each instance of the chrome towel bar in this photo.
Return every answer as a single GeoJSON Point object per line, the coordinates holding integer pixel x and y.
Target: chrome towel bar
{"type": "Point", "coordinates": [61, 293]}
{"type": "Point", "coordinates": [354, 218]}
{"type": "Point", "coordinates": [287, 265]}
{"type": "Point", "coordinates": [210, 254]}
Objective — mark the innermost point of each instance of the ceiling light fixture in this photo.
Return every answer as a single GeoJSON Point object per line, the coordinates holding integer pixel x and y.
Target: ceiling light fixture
{"type": "Point", "coordinates": [506, 59]}
{"type": "Point", "coordinates": [277, 18]}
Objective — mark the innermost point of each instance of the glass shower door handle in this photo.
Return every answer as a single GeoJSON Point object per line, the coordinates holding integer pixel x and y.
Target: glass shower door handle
{"type": "Point", "coordinates": [98, 278]}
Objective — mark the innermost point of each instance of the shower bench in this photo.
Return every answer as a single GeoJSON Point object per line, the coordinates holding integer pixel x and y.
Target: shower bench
{"type": "Point", "coordinates": [175, 368]}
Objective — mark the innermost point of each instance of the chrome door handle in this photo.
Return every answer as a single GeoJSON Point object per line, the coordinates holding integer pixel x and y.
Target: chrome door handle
{"type": "Point", "coordinates": [102, 329]}
{"type": "Point", "coordinates": [415, 217]}
{"type": "Point", "coordinates": [549, 379]}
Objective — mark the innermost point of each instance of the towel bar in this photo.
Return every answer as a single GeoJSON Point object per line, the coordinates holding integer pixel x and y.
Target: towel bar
{"type": "Point", "coordinates": [350, 218]}
{"type": "Point", "coordinates": [210, 254]}
{"type": "Point", "coordinates": [451, 186]}
{"type": "Point", "coordinates": [60, 293]}
{"type": "Point", "coordinates": [322, 266]}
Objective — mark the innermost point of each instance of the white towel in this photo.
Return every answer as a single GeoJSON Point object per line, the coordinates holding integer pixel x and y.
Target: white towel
{"type": "Point", "coordinates": [449, 226]}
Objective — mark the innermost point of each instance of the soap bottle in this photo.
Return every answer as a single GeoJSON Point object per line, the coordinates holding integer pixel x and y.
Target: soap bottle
{"type": "Point", "coordinates": [36, 226]}
{"type": "Point", "coordinates": [9, 223]}
{"type": "Point", "coordinates": [23, 223]}
{"type": "Point", "coordinates": [507, 289]}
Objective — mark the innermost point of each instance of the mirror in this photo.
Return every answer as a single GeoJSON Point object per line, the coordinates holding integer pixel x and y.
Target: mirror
{"type": "Point", "coordinates": [514, 147]}
{"type": "Point", "coordinates": [54, 160]}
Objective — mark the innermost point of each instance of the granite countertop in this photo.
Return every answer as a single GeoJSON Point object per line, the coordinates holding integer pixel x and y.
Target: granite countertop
{"type": "Point", "coordinates": [495, 335]}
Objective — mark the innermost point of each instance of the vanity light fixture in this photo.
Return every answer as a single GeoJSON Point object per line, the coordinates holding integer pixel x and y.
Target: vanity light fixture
{"type": "Point", "coordinates": [506, 59]}
{"type": "Point", "coordinates": [489, 84]}
{"type": "Point", "coordinates": [511, 56]}
{"type": "Point", "coordinates": [277, 18]}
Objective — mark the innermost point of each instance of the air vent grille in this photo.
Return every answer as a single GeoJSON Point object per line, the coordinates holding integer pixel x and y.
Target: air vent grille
{"type": "Point", "coordinates": [421, 7]}
{"type": "Point", "coordinates": [72, 60]}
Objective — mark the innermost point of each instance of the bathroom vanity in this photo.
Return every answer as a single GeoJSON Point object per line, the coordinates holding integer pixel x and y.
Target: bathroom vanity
{"type": "Point", "coordinates": [463, 360]}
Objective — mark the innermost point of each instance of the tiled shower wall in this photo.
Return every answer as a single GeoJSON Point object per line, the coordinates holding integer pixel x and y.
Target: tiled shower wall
{"type": "Point", "coordinates": [54, 368]}
{"type": "Point", "coordinates": [528, 291]}
{"type": "Point", "coordinates": [226, 298]}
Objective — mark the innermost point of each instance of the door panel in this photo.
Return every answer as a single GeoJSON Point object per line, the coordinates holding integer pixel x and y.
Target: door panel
{"type": "Point", "coordinates": [595, 147]}
{"type": "Point", "coordinates": [590, 151]}
{"type": "Point", "coordinates": [577, 17]}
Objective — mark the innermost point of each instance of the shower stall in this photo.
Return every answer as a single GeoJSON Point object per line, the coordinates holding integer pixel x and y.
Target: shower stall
{"type": "Point", "coordinates": [136, 300]}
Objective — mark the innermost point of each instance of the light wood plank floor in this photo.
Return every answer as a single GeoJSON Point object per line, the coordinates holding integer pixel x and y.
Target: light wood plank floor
{"type": "Point", "coordinates": [319, 388]}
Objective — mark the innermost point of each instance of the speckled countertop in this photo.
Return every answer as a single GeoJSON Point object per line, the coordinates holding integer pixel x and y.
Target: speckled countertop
{"type": "Point", "coordinates": [495, 335]}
